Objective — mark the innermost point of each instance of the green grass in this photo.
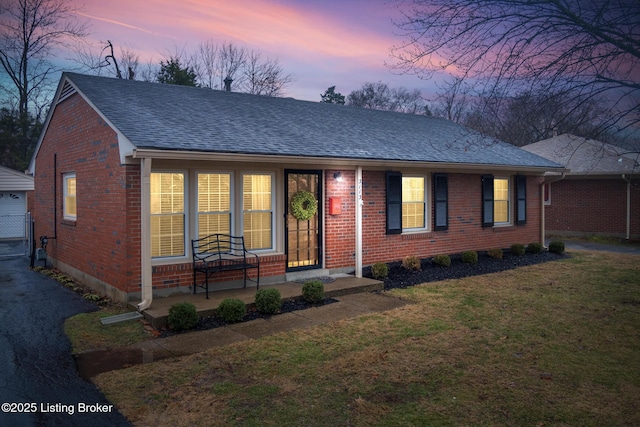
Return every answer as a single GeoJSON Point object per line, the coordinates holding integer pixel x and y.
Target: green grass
{"type": "Point", "coordinates": [86, 333]}
{"type": "Point", "coordinates": [555, 344]}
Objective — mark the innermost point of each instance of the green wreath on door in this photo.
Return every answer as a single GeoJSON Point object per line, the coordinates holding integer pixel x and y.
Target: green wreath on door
{"type": "Point", "coordinates": [303, 205]}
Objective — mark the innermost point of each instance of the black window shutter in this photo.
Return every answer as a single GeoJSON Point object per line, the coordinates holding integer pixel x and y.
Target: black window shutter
{"type": "Point", "coordinates": [394, 203]}
{"type": "Point", "coordinates": [487, 200]}
{"type": "Point", "coordinates": [521, 199]}
{"type": "Point", "coordinates": [440, 201]}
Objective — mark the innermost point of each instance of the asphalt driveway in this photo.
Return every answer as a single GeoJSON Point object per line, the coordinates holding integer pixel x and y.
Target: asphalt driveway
{"type": "Point", "coordinates": [39, 383]}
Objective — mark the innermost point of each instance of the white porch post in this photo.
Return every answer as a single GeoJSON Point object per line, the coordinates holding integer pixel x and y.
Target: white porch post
{"type": "Point", "coordinates": [359, 204]}
{"type": "Point", "coordinates": [145, 234]}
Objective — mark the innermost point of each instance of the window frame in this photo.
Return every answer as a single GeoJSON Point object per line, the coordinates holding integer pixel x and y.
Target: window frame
{"type": "Point", "coordinates": [66, 177]}
{"type": "Point", "coordinates": [509, 201]}
{"type": "Point", "coordinates": [394, 203]}
{"type": "Point", "coordinates": [196, 208]}
{"type": "Point", "coordinates": [185, 216]}
{"type": "Point", "coordinates": [241, 210]}
{"type": "Point", "coordinates": [424, 203]}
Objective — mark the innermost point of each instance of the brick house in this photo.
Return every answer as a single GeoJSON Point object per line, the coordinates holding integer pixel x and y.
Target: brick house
{"type": "Point", "coordinates": [128, 172]}
{"type": "Point", "coordinates": [600, 192]}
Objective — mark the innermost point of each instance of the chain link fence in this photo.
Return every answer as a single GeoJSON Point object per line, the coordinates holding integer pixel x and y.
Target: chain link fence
{"type": "Point", "coordinates": [15, 235]}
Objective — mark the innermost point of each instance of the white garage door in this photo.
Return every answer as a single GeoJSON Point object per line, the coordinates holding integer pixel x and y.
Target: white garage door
{"type": "Point", "coordinates": [13, 207]}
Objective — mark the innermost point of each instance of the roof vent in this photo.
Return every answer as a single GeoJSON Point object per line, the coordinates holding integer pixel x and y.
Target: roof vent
{"type": "Point", "coordinates": [227, 83]}
{"type": "Point", "coordinates": [66, 92]}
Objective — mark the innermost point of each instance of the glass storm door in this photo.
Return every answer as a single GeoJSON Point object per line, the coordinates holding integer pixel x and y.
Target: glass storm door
{"type": "Point", "coordinates": [303, 236]}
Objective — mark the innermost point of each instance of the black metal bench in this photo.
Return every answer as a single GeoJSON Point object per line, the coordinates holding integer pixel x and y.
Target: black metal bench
{"type": "Point", "coordinates": [217, 253]}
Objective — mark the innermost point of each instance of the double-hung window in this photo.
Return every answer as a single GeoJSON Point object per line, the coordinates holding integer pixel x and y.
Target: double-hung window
{"type": "Point", "coordinates": [167, 214]}
{"type": "Point", "coordinates": [214, 204]}
{"type": "Point", "coordinates": [413, 203]}
{"type": "Point", "coordinates": [407, 203]}
{"type": "Point", "coordinates": [69, 209]}
{"type": "Point", "coordinates": [496, 200]}
{"type": "Point", "coordinates": [257, 210]}
{"type": "Point", "coordinates": [501, 201]}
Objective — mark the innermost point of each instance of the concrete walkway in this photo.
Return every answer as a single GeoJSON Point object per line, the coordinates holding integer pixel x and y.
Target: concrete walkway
{"type": "Point", "coordinates": [633, 249]}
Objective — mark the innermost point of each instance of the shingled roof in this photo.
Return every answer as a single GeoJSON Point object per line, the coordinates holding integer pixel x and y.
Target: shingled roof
{"type": "Point", "coordinates": [170, 117]}
{"type": "Point", "coordinates": [584, 156]}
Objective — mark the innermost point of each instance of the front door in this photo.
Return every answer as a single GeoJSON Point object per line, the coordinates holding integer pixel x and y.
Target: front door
{"type": "Point", "coordinates": [303, 219]}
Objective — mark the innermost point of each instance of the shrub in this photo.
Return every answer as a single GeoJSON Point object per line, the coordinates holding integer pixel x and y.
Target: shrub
{"type": "Point", "coordinates": [313, 291]}
{"type": "Point", "coordinates": [411, 262]}
{"type": "Point", "coordinates": [534, 248]}
{"type": "Point", "coordinates": [442, 260]}
{"type": "Point", "coordinates": [557, 247]}
{"type": "Point", "coordinates": [517, 249]}
{"type": "Point", "coordinates": [470, 257]}
{"type": "Point", "coordinates": [231, 310]}
{"type": "Point", "coordinates": [182, 316]}
{"type": "Point", "coordinates": [268, 301]}
{"type": "Point", "coordinates": [379, 270]}
{"type": "Point", "coordinates": [495, 253]}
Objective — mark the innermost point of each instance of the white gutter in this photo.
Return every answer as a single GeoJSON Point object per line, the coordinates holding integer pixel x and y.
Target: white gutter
{"type": "Point", "coordinates": [628, 233]}
{"type": "Point", "coordinates": [174, 155]}
{"type": "Point", "coordinates": [543, 224]}
{"type": "Point", "coordinates": [359, 204]}
{"type": "Point", "coordinates": [145, 231]}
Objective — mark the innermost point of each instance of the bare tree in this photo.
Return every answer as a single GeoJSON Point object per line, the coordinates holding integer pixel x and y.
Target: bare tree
{"type": "Point", "coordinates": [249, 70]}
{"type": "Point", "coordinates": [580, 49]}
{"type": "Point", "coordinates": [30, 30]}
{"type": "Point", "coordinates": [130, 62]}
{"type": "Point", "coordinates": [379, 96]}
{"type": "Point", "coordinates": [454, 100]}
{"type": "Point", "coordinates": [231, 59]}
{"type": "Point", "coordinates": [100, 59]}
{"type": "Point", "coordinates": [408, 101]}
{"type": "Point", "coordinates": [206, 64]}
{"type": "Point", "coordinates": [376, 96]}
{"type": "Point", "coordinates": [264, 76]}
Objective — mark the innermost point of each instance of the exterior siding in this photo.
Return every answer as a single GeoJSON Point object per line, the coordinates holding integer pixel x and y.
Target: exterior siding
{"type": "Point", "coordinates": [593, 206]}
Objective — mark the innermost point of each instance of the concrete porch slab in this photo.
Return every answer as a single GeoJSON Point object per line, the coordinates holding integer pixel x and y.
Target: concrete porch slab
{"type": "Point", "coordinates": [158, 312]}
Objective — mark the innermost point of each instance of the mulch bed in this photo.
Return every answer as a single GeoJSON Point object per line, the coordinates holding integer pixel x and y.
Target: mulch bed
{"type": "Point", "coordinates": [400, 277]}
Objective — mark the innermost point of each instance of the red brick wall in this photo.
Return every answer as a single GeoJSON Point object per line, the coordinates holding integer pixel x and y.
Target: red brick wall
{"type": "Point", "coordinates": [465, 230]}
{"type": "Point", "coordinates": [97, 243]}
{"type": "Point", "coordinates": [340, 229]}
{"type": "Point", "coordinates": [593, 206]}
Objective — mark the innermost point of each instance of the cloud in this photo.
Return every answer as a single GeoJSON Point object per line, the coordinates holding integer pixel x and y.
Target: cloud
{"type": "Point", "coordinates": [112, 21]}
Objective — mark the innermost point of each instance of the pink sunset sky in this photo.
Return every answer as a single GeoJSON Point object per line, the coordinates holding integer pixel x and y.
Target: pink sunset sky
{"type": "Point", "coordinates": [321, 42]}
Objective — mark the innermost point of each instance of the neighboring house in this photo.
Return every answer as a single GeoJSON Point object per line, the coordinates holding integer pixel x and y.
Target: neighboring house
{"type": "Point", "coordinates": [16, 190]}
{"type": "Point", "coordinates": [600, 194]}
{"type": "Point", "coordinates": [128, 172]}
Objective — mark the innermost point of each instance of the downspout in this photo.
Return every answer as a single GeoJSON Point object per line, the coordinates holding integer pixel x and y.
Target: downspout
{"type": "Point", "coordinates": [628, 233]}
{"type": "Point", "coordinates": [359, 204]}
{"type": "Point", "coordinates": [543, 224]}
{"type": "Point", "coordinates": [145, 234]}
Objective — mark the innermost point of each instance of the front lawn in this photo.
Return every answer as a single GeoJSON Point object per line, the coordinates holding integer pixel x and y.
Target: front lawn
{"type": "Point", "coordinates": [551, 344]}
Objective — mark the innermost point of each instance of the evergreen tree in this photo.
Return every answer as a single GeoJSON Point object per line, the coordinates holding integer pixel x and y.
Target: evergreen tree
{"type": "Point", "coordinates": [330, 96]}
{"type": "Point", "coordinates": [173, 73]}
